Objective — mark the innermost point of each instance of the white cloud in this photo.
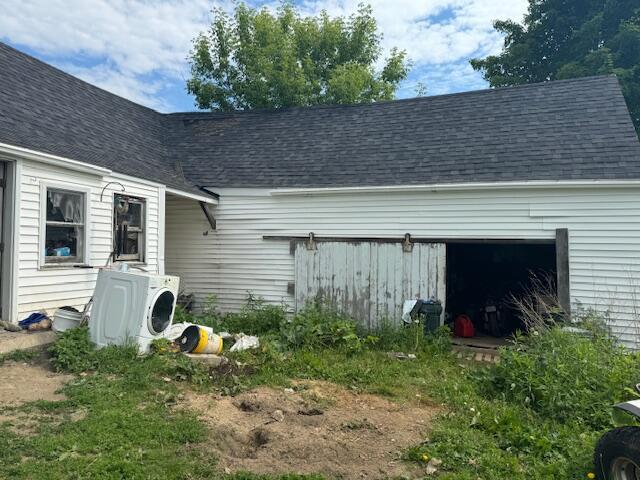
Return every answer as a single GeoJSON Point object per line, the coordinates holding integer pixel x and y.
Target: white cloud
{"type": "Point", "coordinates": [115, 44]}
{"type": "Point", "coordinates": [121, 44]}
{"type": "Point", "coordinates": [407, 24]}
{"type": "Point", "coordinates": [138, 88]}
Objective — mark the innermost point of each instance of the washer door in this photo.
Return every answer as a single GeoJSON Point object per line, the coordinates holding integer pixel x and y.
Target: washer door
{"type": "Point", "coordinates": [161, 311]}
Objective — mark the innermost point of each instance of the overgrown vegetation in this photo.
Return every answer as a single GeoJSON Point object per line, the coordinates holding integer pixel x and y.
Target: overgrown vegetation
{"type": "Point", "coordinates": [535, 415]}
{"type": "Point", "coordinates": [73, 352]}
{"type": "Point", "coordinates": [316, 326]}
{"type": "Point", "coordinates": [564, 376]}
{"type": "Point", "coordinates": [256, 317]}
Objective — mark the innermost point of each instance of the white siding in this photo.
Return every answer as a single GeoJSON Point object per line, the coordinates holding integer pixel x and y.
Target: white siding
{"type": "Point", "coordinates": [49, 288]}
{"type": "Point", "coordinates": [189, 253]}
{"type": "Point", "coordinates": [603, 223]}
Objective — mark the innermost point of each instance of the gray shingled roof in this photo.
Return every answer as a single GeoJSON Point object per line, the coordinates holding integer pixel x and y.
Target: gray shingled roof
{"type": "Point", "coordinates": [45, 109]}
{"type": "Point", "coordinates": [572, 129]}
{"type": "Point", "coordinates": [575, 129]}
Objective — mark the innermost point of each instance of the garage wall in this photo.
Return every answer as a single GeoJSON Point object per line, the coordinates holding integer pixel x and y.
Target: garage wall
{"type": "Point", "coordinates": [603, 223]}
{"type": "Point", "coordinates": [47, 288]}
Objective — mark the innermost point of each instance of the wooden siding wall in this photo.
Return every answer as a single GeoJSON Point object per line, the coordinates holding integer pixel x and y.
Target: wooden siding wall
{"type": "Point", "coordinates": [603, 224]}
{"type": "Point", "coordinates": [369, 281]}
{"type": "Point", "coordinates": [49, 288]}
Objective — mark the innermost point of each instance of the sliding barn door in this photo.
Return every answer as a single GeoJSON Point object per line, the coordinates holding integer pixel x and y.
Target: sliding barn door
{"type": "Point", "coordinates": [369, 281]}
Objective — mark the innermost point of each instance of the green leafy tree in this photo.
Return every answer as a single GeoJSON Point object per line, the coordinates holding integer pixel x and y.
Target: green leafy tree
{"type": "Point", "coordinates": [570, 38]}
{"type": "Point", "coordinates": [258, 59]}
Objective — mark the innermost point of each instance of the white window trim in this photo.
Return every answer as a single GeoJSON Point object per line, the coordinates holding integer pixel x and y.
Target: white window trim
{"type": "Point", "coordinates": [145, 229]}
{"type": "Point", "coordinates": [42, 265]}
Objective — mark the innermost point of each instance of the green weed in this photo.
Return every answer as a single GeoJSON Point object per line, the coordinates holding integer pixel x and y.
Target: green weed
{"type": "Point", "coordinates": [73, 352]}
{"type": "Point", "coordinates": [316, 326]}
{"type": "Point", "coordinates": [565, 376]}
{"type": "Point", "coordinates": [20, 356]}
{"type": "Point", "coordinates": [256, 317]}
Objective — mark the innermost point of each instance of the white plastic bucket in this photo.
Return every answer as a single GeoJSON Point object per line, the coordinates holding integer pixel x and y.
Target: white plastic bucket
{"type": "Point", "coordinates": [65, 319]}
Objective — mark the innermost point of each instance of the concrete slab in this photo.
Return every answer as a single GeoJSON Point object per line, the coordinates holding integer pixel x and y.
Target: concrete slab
{"type": "Point", "coordinates": [12, 341]}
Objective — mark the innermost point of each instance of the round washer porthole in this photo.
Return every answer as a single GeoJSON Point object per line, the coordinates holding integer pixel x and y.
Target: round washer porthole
{"type": "Point", "coordinates": [160, 312]}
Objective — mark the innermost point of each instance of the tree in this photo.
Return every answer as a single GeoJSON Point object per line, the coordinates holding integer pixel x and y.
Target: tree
{"type": "Point", "coordinates": [258, 59]}
{"type": "Point", "coordinates": [570, 38]}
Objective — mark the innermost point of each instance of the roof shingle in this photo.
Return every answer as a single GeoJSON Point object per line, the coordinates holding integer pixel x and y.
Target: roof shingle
{"type": "Point", "coordinates": [47, 110]}
{"type": "Point", "coordinates": [565, 130]}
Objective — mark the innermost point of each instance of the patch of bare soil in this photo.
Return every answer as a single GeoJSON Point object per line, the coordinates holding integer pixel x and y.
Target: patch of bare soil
{"type": "Point", "coordinates": [22, 382]}
{"type": "Point", "coordinates": [30, 423]}
{"type": "Point", "coordinates": [318, 428]}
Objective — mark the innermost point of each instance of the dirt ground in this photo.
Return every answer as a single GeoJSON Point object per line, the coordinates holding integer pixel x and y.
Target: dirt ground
{"type": "Point", "coordinates": [317, 427]}
{"type": "Point", "coordinates": [23, 382]}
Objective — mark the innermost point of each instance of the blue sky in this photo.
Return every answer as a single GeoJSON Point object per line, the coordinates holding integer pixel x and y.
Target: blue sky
{"type": "Point", "coordinates": [138, 49]}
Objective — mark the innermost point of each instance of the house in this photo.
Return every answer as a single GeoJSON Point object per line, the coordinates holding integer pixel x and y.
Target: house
{"type": "Point", "coordinates": [459, 198]}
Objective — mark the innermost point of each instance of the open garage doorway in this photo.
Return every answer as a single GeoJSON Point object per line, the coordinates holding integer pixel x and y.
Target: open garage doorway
{"type": "Point", "coordinates": [483, 279]}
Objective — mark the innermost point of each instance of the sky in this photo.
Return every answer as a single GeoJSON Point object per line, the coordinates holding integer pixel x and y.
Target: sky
{"type": "Point", "coordinates": [138, 49]}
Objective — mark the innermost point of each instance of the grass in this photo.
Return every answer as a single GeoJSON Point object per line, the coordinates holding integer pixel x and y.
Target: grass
{"type": "Point", "coordinates": [130, 427]}
{"type": "Point", "coordinates": [129, 430]}
{"type": "Point", "coordinates": [19, 356]}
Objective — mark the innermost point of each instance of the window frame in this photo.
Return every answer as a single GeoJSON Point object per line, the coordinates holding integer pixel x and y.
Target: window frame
{"type": "Point", "coordinates": [141, 257]}
{"type": "Point", "coordinates": [42, 234]}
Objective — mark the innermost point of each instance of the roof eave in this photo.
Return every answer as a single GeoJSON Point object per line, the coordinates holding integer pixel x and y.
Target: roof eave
{"type": "Point", "coordinates": [530, 184]}
{"type": "Point", "coordinates": [12, 152]}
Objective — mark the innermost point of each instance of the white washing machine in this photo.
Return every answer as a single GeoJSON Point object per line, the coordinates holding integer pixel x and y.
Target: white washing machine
{"type": "Point", "coordinates": [132, 307]}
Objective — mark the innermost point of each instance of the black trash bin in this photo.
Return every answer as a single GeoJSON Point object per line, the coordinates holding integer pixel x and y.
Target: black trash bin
{"type": "Point", "coordinates": [429, 312]}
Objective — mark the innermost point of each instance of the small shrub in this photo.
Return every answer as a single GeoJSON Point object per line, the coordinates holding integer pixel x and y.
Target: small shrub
{"type": "Point", "coordinates": [565, 376]}
{"type": "Point", "coordinates": [391, 336]}
{"type": "Point", "coordinates": [410, 338]}
{"type": "Point", "coordinates": [439, 342]}
{"type": "Point", "coordinates": [317, 326]}
{"type": "Point", "coordinates": [163, 345]}
{"type": "Point", "coordinates": [210, 308]}
{"type": "Point", "coordinates": [257, 317]}
{"type": "Point", "coordinates": [73, 351]}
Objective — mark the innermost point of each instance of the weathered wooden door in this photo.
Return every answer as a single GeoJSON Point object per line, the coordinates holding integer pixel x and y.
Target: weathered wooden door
{"type": "Point", "coordinates": [369, 281]}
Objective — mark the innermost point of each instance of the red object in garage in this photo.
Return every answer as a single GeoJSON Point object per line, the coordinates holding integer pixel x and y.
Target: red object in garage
{"type": "Point", "coordinates": [463, 327]}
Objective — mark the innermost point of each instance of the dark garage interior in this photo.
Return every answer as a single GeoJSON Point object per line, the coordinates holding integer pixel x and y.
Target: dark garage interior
{"type": "Point", "coordinates": [483, 278]}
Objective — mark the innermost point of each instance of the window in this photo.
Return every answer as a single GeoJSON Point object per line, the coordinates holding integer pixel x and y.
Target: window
{"type": "Point", "coordinates": [128, 228]}
{"type": "Point", "coordinates": [65, 226]}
